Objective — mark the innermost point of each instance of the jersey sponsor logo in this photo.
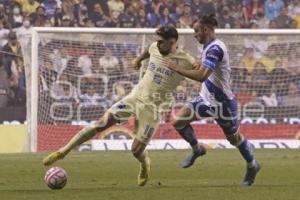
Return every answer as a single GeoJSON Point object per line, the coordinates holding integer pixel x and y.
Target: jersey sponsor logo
{"type": "Point", "coordinates": [161, 70]}
{"type": "Point", "coordinates": [210, 55]}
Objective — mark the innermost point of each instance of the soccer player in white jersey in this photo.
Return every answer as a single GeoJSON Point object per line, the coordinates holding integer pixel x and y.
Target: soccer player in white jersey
{"type": "Point", "coordinates": [153, 92]}
{"type": "Point", "coordinates": [216, 98]}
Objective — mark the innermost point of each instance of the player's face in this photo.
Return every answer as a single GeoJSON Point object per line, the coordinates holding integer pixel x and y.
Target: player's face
{"type": "Point", "coordinates": [199, 33]}
{"type": "Point", "coordinates": [165, 46]}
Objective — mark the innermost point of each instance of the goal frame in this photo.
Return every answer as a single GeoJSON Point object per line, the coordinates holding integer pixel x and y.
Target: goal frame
{"type": "Point", "coordinates": [32, 115]}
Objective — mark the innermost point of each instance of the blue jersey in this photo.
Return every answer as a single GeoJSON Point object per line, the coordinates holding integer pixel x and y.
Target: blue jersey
{"type": "Point", "coordinates": [216, 89]}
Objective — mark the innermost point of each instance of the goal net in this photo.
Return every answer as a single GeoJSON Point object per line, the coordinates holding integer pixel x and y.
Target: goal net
{"type": "Point", "coordinates": [75, 75]}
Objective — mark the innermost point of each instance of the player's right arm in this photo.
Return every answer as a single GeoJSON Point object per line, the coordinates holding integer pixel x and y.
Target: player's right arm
{"type": "Point", "coordinates": [137, 62]}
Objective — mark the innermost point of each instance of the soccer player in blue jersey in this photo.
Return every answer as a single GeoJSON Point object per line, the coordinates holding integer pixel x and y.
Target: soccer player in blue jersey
{"type": "Point", "coordinates": [216, 98]}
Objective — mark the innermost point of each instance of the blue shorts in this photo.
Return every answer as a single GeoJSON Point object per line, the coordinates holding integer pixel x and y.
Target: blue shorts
{"type": "Point", "coordinates": [226, 114]}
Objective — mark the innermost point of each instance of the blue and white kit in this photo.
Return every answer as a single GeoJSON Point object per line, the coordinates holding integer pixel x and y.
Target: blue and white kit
{"type": "Point", "coordinates": [216, 98]}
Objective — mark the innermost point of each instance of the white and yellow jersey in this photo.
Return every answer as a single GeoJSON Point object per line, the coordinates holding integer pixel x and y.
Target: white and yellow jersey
{"type": "Point", "coordinates": [159, 81]}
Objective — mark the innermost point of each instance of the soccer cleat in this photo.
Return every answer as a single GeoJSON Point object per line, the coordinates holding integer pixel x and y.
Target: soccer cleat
{"type": "Point", "coordinates": [189, 161]}
{"type": "Point", "coordinates": [251, 174]}
{"type": "Point", "coordinates": [144, 172]}
{"type": "Point", "coordinates": [53, 157]}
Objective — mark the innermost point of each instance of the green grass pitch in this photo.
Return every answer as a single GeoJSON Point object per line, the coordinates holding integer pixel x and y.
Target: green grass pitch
{"type": "Point", "coordinates": [112, 176]}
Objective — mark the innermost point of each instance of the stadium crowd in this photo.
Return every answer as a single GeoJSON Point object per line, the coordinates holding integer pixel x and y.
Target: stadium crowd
{"type": "Point", "coordinates": [271, 78]}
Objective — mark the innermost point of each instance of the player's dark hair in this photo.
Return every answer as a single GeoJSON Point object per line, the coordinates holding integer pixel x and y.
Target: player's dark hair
{"type": "Point", "coordinates": [209, 20]}
{"type": "Point", "coordinates": [167, 32]}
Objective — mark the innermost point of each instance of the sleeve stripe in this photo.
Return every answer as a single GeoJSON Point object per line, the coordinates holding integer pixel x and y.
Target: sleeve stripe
{"type": "Point", "coordinates": [208, 64]}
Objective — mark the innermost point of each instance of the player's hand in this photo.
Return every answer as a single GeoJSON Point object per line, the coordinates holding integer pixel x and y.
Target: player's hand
{"type": "Point", "coordinates": [197, 64]}
{"type": "Point", "coordinates": [172, 65]}
{"type": "Point", "coordinates": [136, 63]}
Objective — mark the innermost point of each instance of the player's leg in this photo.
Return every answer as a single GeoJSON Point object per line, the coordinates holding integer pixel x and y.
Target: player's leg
{"type": "Point", "coordinates": [146, 125]}
{"type": "Point", "coordinates": [181, 122]}
{"type": "Point", "coordinates": [120, 110]}
{"type": "Point", "coordinates": [82, 136]}
{"type": "Point", "coordinates": [139, 152]}
{"type": "Point", "coordinates": [246, 151]}
{"type": "Point", "coordinates": [228, 121]}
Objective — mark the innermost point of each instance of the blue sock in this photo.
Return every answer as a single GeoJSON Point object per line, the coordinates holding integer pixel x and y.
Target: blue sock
{"type": "Point", "coordinates": [246, 150]}
{"type": "Point", "coordinates": [187, 133]}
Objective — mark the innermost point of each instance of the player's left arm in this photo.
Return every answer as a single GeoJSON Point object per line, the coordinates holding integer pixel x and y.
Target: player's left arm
{"type": "Point", "coordinates": [137, 62]}
{"type": "Point", "coordinates": [201, 71]}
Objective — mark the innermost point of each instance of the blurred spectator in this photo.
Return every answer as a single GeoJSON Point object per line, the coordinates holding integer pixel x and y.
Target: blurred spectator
{"type": "Point", "coordinates": [142, 20]}
{"type": "Point", "coordinates": [150, 13]}
{"type": "Point", "coordinates": [270, 99]}
{"type": "Point", "coordinates": [246, 95]}
{"type": "Point", "coordinates": [3, 35]}
{"type": "Point", "coordinates": [49, 75]}
{"type": "Point", "coordinates": [261, 21]}
{"type": "Point", "coordinates": [272, 24]}
{"type": "Point", "coordinates": [60, 60]}
{"type": "Point", "coordinates": [68, 7]}
{"type": "Point", "coordinates": [91, 97]}
{"type": "Point", "coordinates": [292, 98]}
{"type": "Point", "coordinates": [293, 24]}
{"type": "Point", "coordinates": [63, 90]}
{"type": "Point", "coordinates": [16, 19]}
{"type": "Point", "coordinates": [127, 58]}
{"type": "Point", "coordinates": [294, 8]}
{"type": "Point", "coordinates": [260, 79]}
{"type": "Point", "coordinates": [127, 19]}
{"type": "Point", "coordinates": [270, 58]}
{"type": "Point", "coordinates": [116, 7]}
{"type": "Point", "coordinates": [292, 63]}
{"type": "Point", "coordinates": [24, 32]}
{"type": "Point", "coordinates": [89, 23]}
{"type": "Point", "coordinates": [4, 86]}
{"type": "Point", "coordinates": [272, 8]}
{"type": "Point", "coordinates": [66, 21]}
{"type": "Point", "coordinates": [108, 62]}
{"type": "Point", "coordinates": [279, 78]}
{"type": "Point", "coordinates": [58, 17]}
{"type": "Point", "coordinates": [248, 60]}
{"type": "Point", "coordinates": [197, 7]}
{"type": "Point", "coordinates": [165, 18]}
{"type": "Point", "coordinates": [85, 63]}
{"type": "Point", "coordinates": [181, 95]}
{"type": "Point", "coordinates": [39, 17]}
{"type": "Point", "coordinates": [225, 20]}
{"type": "Point", "coordinates": [50, 7]}
{"type": "Point", "coordinates": [251, 9]}
{"type": "Point", "coordinates": [81, 13]}
{"type": "Point", "coordinates": [119, 92]}
{"type": "Point", "coordinates": [207, 7]}
{"type": "Point", "coordinates": [98, 16]}
{"type": "Point", "coordinates": [283, 20]}
{"type": "Point", "coordinates": [17, 82]}
{"type": "Point", "coordinates": [28, 6]}
{"type": "Point", "coordinates": [186, 19]}
{"type": "Point", "coordinates": [11, 50]}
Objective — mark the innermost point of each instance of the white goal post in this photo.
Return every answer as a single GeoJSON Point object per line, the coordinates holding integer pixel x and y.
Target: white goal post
{"type": "Point", "coordinates": [55, 52]}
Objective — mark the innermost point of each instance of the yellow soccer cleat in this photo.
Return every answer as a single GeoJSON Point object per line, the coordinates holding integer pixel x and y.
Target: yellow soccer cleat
{"type": "Point", "coordinates": [53, 157]}
{"type": "Point", "coordinates": [144, 173]}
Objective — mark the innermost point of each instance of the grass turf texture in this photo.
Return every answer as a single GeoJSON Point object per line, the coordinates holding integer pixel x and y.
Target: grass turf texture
{"type": "Point", "coordinates": [112, 175]}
